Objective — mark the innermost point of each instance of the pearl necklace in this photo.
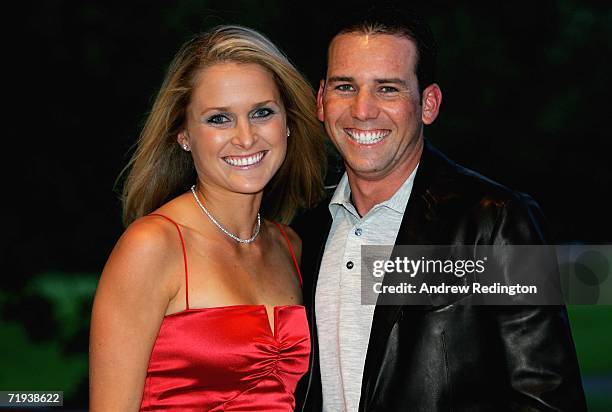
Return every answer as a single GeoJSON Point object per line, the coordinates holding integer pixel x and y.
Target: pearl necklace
{"type": "Point", "coordinates": [220, 226]}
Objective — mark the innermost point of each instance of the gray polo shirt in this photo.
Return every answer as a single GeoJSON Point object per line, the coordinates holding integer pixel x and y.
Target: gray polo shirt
{"type": "Point", "coordinates": [343, 323]}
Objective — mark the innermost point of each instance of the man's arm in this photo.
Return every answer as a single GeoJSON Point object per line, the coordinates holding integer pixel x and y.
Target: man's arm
{"type": "Point", "coordinates": [541, 360]}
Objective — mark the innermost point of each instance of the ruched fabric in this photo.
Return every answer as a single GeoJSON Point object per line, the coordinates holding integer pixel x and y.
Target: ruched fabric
{"type": "Point", "coordinates": [228, 359]}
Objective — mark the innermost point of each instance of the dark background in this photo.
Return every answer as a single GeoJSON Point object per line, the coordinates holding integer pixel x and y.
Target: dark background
{"type": "Point", "coordinates": [526, 90]}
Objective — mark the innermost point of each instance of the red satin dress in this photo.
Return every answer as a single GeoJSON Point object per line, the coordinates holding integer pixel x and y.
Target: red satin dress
{"type": "Point", "coordinates": [228, 358]}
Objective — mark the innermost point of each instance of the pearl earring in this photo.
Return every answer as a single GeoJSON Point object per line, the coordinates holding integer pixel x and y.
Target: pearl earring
{"type": "Point", "coordinates": [288, 132]}
{"type": "Point", "coordinates": [185, 147]}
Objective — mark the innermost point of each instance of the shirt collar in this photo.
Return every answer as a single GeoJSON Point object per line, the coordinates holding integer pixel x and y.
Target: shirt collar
{"type": "Point", "coordinates": [397, 202]}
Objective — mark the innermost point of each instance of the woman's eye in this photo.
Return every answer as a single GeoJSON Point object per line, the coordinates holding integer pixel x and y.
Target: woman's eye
{"type": "Point", "coordinates": [218, 119]}
{"type": "Point", "coordinates": [263, 112]}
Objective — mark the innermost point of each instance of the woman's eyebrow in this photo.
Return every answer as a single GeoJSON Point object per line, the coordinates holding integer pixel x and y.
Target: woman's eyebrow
{"type": "Point", "coordinates": [265, 102]}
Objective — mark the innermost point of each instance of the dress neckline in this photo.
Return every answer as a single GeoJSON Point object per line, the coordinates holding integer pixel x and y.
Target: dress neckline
{"type": "Point", "coordinates": [272, 326]}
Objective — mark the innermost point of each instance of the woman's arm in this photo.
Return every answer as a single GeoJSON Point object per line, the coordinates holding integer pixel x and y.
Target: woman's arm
{"type": "Point", "coordinates": [137, 283]}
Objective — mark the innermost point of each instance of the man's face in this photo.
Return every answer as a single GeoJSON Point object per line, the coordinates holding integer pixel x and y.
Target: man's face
{"type": "Point", "coordinates": [371, 105]}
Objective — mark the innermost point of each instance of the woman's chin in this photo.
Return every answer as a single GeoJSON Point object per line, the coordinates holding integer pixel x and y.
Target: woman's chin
{"type": "Point", "coordinates": [249, 188]}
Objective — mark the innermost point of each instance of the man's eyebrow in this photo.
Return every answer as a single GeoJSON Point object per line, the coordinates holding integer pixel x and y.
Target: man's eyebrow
{"type": "Point", "coordinates": [340, 79]}
{"type": "Point", "coordinates": [349, 79]}
{"type": "Point", "coordinates": [393, 80]}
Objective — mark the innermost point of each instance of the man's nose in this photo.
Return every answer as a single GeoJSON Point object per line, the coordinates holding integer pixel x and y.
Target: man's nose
{"type": "Point", "coordinates": [364, 106]}
{"type": "Point", "coordinates": [245, 136]}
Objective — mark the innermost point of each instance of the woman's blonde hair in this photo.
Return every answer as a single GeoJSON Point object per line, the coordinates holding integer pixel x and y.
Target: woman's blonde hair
{"type": "Point", "coordinates": [159, 170]}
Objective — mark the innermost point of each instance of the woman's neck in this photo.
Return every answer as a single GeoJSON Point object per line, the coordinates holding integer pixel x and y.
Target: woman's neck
{"type": "Point", "coordinates": [237, 212]}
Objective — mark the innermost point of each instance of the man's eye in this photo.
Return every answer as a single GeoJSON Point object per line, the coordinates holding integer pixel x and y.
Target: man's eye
{"type": "Point", "coordinates": [345, 88]}
{"type": "Point", "coordinates": [263, 113]}
{"type": "Point", "coordinates": [218, 119]}
{"type": "Point", "coordinates": [388, 89]}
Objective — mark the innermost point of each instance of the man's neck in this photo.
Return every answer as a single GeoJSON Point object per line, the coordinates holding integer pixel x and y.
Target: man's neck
{"type": "Point", "coordinates": [366, 193]}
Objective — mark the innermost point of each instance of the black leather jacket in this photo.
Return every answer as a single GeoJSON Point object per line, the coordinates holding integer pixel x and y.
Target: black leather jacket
{"type": "Point", "coordinates": [454, 357]}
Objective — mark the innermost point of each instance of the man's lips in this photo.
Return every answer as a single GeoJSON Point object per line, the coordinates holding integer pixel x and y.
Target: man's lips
{"type": "Point", "coordinates": [245, 160]}
{"type": "Point", "coordinates": [370, 136]}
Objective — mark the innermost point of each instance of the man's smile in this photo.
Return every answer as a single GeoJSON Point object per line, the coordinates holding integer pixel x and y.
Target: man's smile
{"type": "Point", "coordinates": [369, 137]}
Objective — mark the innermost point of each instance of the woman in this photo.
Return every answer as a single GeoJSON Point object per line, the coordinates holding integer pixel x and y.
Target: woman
{"type": "Point", "coordinates": [198, 307]}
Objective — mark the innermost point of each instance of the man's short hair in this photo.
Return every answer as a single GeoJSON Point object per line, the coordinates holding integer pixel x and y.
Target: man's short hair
{"type": "Point", "coordinates": [387, 19]}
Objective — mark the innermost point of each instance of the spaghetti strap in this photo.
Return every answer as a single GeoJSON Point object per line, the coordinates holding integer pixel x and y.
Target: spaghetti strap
{"type": "Point", "coordinates": [295, 262]}
{"type": "Point", "coordinates": [184, 255]}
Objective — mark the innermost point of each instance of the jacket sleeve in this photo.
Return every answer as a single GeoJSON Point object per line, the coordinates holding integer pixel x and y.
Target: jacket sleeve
{"type": "Point", "coordinates": [540, 356]}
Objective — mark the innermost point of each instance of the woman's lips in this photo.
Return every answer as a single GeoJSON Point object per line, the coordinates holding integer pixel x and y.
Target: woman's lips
{"type": "Point", "coordinates": [246, 160]}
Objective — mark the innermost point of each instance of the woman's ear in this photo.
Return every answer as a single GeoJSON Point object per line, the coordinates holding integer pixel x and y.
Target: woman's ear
{"type": "Point", "coordinates": [183, 140]}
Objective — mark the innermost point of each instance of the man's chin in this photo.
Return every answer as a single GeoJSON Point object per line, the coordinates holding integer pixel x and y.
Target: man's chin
{"type": "Point", "coordinates": [366, 171]}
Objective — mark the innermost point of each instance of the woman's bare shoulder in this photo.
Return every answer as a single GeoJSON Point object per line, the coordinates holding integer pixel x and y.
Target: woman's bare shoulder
{"type": "Point", "coordinates": [148, 236]}
{"type": "Point", "coordinates": [294, 239]}
{"type": "Point", "coordinates": [145, 254]}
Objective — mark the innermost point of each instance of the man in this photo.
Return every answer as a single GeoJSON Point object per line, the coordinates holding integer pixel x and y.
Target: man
{"type": "Point", "coordinates": [378, 94]}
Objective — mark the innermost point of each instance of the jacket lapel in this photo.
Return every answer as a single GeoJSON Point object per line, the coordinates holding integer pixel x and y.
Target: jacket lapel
{"type": "Point", "coordinates": [413, 231]}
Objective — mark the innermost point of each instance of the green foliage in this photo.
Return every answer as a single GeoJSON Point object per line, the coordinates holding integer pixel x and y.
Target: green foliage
{"type": "Point", "coordinates": [27, 365]}
{"type": "Point", "coordinates": [593, 338]}
{"type": "Point", "coordinates": [69, 294]}
{"type": "Point", "coordinates": [59, 362]}
{"type": "Point", "coordinates": [592, 331]}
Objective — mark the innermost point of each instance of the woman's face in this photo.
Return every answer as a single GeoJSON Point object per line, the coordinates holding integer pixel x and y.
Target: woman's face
{"type": "Point", "coordinates": [236, 127]}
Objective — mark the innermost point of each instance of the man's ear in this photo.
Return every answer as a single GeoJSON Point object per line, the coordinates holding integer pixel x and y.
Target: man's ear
{"type": "Point", "coordinates": [320, 113]}
{"type": "Point", "coordinates": [432, 99]}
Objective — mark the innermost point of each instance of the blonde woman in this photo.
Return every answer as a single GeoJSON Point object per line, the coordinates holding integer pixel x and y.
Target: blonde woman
{"type": "Point", "coordinates": [199, 305]}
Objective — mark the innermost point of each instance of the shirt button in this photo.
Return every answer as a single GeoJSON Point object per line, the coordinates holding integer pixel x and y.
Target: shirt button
{"type": "Point", "coordinates": [358, 231]}
{"type": "Point", "coordinates": [349, 265]}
